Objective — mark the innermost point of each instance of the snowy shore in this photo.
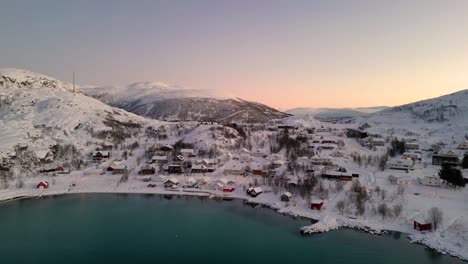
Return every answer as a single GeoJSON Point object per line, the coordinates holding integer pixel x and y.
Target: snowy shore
{"type": "Point", "coordinates": [327, 220]}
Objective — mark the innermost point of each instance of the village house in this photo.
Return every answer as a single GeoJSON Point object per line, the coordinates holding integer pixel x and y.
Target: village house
{"type": "Point", "coordinates": [254, 192]}
{"type": "Point", "coordinates": [100, 155]}
{"type": "Point", "coordinates": [159, 159]}
{"type": "Point", "coordinates": [411, 145]}
{"type": "Point", "coordinates": [198, 168]}
{"type": "Point", "coordinates": [463, 146]}
{"type": "Point", "coordinates": [174, 168]}
{"type": "Point", "coordinates": [316, 204]}
{"type": "Point", "coordinates": [171, 183]}
{"type": "Point", "coordinates": [421, 223]}
{"type": "Point", "coordinates": [190, 182]}
{"type": "Point", "coordinates": [234, 167]}
{"type": "Point", "coordinates": [317, 160]}
{"type": "Point", "coordinates": [147, 170]}
{"type": "Point", "coordinates": [412, 156]}
{"type": "Point", "coordinates": [228, 189]}
{"type": "Point", "coordinates": [43, 185]}
{"type": "Point", "coordinates": [449, 157]}
{"type": "Point", "coordinates": [258, 169]}
{"type": "Point", "coordinates": [286, 197]}
{"type": "Point", "coordinates": [430, 181]}
{"type": "Point", "coordinates": [166, 148]}
{"type": "Point", "coordinates": [118, 169]}
{"type": "Point", "coordinates": [403, 180]}
{"type": "Point", "coordinates": [401, 164]}
{"type": "Point", "coordinates": [259, 154]}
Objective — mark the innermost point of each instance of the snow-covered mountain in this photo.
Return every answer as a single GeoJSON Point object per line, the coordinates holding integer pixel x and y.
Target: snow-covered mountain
{"type": "Point", "coordinates": [335, 113]}
{"type": "Point", "coordinates": [165, 102]}
{"type": "Point", "coordinates": [38, 112]}
{"type": "Point", "coordinates": [443, 118]}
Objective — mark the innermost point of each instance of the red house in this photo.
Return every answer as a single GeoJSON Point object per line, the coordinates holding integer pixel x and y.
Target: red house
{"type": "Point", "coordinates": [422, 226]}
{"type": "Point", "coordinates": [228, 189]}
{"type": "Point", "coordinates": [151, 185]}
{"type": "Point", "coordinates": [42, 184]}
{"type": "Point", "coordinates": [59, 168]}
{"type": "Point", "coordinates": [316, 204]}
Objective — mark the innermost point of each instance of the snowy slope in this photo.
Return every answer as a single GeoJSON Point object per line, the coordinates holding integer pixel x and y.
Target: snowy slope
{"type": "Point", "coordinates": [38, 112]}
{"type": "Point", "coordinates": [335, 113]}
{"type": "Point", "coordinates": [164, 102]}
{"type": "Point", "coordinates": [439, 119]}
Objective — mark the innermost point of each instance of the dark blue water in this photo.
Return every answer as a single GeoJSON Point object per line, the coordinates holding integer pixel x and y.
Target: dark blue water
{"type": "Point", "coordinates": [111, 228]}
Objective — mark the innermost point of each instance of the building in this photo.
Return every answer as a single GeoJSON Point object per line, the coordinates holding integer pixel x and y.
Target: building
{"type": "Point", "coordinates": [401, 164]}
{"type": "Point", "coordinates": [159, 159]}
{"type": "Point", "coordinates": [147, 170]}
{"type": "Point", "coordinates": [378, 142]}
{"type": "Point", "coordinates": [420, 223]}
{"type": "Point", "coordinates": [254, 192]}
{"type": "Point", "coordinates": [316, 204]}
{"type": "Point", "coordinates": [52, 169]}
{"type": "Point", "coordinates": [172, 182]}
{"type": "Point", "coordinates": [234, 167]}
{"type": "Point", "coordinates": [286, 197]}
{"type": "Point", "coordinates": [412, 156]}
{"type": "Point", "coordinates": [430, 181]}
{"type": "Point", "coordinates": [411, 145]}
{"type": "Point", "coordinates": [190, 183]}
{"type": "Point", "coordinates": [403, 181]}
{"type": "Point", "coordinates": [198, 168]}
{"type": "Point", "coordinates": [100, 155]}
{"type": "Point", "coordinates": [445, 158]}
{"type": "Point", "coordinates": [187, 153]}
{"type": "Point", "coordinates": [463, 146]}
{"type": "Point", "coordinates": [316, 160]}
{"type": "Point", "coordinates": [43, 185]}
{"type": "Point", "coordinates": [174, 168]}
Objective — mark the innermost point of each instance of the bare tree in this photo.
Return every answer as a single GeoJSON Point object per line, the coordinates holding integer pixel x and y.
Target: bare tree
{"type": "Point", "coordinates": [397, 209]}
{"type": "Point", "coordinates": [340, 205]}
{"type": "Point", "coordinates": [435, 216]}
{"type": "Point", "coordinates": [383, 210]}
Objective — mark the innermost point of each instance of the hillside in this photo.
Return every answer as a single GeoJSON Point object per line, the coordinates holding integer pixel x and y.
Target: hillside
{"type": "Point", "coordinates": [334, 114]}
{"type": "Point", "coordinates": [439, 119]}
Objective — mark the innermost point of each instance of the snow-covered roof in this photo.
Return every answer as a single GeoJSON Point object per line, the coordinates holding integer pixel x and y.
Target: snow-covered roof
{"type": "Point", "coordinates": [257, 189]}
{"type": "Point", "coordinates": [172, 180]}
{"type": "Point", "coordinates": [159, 157]}
{"type": "Point", "coordinates": [316, 201]}
{"type": "Point", "coordinates": [288, 194]}
{"type": "Point", "coordinates": [234, 165]}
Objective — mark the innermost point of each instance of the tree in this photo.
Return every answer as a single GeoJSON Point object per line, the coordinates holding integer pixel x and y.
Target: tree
{"type": "Point", "coordinates": [435, 216]}
{"type": "Point", "coordinates": [465, 161]}
{"type": "Point", "coordinates": [452, 176]}
{"type": "Point", "coordinates": [383, 210]}
{"type": "Point", "coordinates": [397, 209]}
{"type": "Point", "coordinates": [340, 205]}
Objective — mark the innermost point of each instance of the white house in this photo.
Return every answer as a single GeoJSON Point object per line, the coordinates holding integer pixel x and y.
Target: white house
{"type": "Point", "coordinates": [412, 156]}
{"type": "Point", "coordinates": [403, 180]}
{"type": "Point", "coordinates": [188, 153]}
{"type": "Point", "coordinates": [234, 167]}
{"type": "Point", "coordinates": [430, 181]}
{"type": "Point", "coordinates": [401, 164]}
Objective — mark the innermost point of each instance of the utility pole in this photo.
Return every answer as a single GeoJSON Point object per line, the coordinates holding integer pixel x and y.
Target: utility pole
{"type": "Point", "coordinates": [73, 81]}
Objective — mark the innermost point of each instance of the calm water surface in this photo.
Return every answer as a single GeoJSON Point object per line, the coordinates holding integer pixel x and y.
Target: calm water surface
{"type": "Point", "coordinates": [111, 228]}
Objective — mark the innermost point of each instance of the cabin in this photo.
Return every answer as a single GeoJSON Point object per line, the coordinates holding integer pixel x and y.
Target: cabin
{"type": "Point", "coordinates": [204, 182]}
{"type": "Point", "coordinates": [147, 170]}
{"type": "Point", "coordinates": [151, 185]}
{"type": "Point", "coordinates": [43, 185]}
{"type": "Point", "coordinates": [235, 168]}
{"type": "Point", "coordinates": [403, 181]}
{"type": "Point", "coordinates": [199, 168]}
{"type": "Point", "coordinates": [174, 168]}
{"type": "Point", "coordinates": [229, 189]}
{"type": "Point", "coordinates": [420, 223]}
{"type": "Point", "coordinates": [171, 183]}
{"type": "Point", "coordinates": [316, 204]}
{"type": "Point", "coordinates": [286, 197]}
{"type": "Point", "coordinates": [430, 181]}
{"type": "Point", "coordinates": [209, 162]}
{"type": "Point", "coordinates": [450, 158]}
{"type": "Point", "coordinates": [254, 192]}
{"type": "Point", "coordinates": [258, 169]}
{"type": "Point", "coordinates": [159, 159]}
{"type": "Point", "coordinates": [321, 161]}
{"type": "Point", "coordinates": [412, 156]}
{"type": "Point", "coordinates": [100, 155]}
{"type": "Point", "coordinates": [401, 164]}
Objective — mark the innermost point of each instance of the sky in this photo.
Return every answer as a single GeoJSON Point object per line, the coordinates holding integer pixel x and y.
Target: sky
{"type": "Point", "coordinates": [287, 54]}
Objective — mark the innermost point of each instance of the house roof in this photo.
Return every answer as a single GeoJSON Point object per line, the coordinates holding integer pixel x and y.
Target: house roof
{"type": "Point", "coordinates": [257, 189]}
{"type": "Point", "coordinates": [159, 157]}
{"type": "Point", "coordinates": [172, 180]}
{"type": "Point", "coordinates": [234, 165]}
{"type": "Point", "coordinates": [288, 194]}
{"type": "Point", "coordinates": [104, 153]}
{"type": "Point", "coordinates": [317, 201]}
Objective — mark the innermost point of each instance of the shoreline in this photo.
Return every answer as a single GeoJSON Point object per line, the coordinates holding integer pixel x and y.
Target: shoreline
{"type": "Point", "coordinates": [323, 225]}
